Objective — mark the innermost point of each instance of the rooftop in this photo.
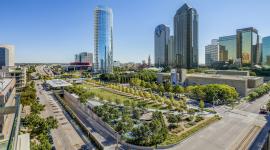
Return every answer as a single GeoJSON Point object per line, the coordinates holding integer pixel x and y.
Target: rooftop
{"type": "Point", "coordinates": [57, 83]}
{"type": "Point", "coordinates": [219, 76]}
{"type": "Point", "coordinates": [4, 83]}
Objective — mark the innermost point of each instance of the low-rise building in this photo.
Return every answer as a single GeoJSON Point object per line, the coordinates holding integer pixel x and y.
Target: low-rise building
{"type": "Point", "coordinates": [19, 73]}
{"type": "Point", "coordinates": [242, 84]}
{"type": "Point", "coordinates": [240, 80]}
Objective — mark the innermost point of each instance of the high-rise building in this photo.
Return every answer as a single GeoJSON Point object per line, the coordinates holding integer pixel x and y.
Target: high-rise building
{"type": "Point", "coordinates": [149, 61]}
{"type": "Point", "coordinates": [186, 37]}
{"type": "Point", "coordinates": [6, 55]}
{"type": "Point", "coordinates": [266, 51]}
{"type": "Point", "coordinates": [162, 35]}
{"type": "Point", "coordinates": [77, 58]}
{"type": "Point", "coordinates": [103, 39]}
{"type": "Point", "coordinates": [248, 46]}
{"type": "Point", "coordinates": [212, 52]}
{"type": "Point", "coordinates": [84, 57]}
{"type": "Point", "coordinates": [227, 48]}
{"type": "Point", "coordinates": [171, 52]}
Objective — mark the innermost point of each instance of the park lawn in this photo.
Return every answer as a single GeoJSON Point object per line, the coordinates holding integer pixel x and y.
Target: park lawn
{"type": "Point", "coordinates": [107, 95]}
{"type": "Point", "coordinates": [176, 138]}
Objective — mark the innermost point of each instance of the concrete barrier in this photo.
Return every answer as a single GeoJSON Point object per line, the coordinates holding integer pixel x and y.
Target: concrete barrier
{"type": "Point", "coordinates": [98, 144]}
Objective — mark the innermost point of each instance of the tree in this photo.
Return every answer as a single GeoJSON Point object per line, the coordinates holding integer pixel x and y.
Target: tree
{"type": "Point", "coordinates": [52, 122]}
{"type": "Point", "coordinates": [161, 88]}
{"type": "Point", "coordinates": [178, 89]}
{"type": "Point", "coordinates": [168, 87]}
{"type": "Point", "coordinates": [172, 118]}
{"type": "Point", "coordinates": [268, 105]}
{"type": "Point", "coordinates": [124, 125]}
{"type": "Point", "coordinates": [136, 114]}
{"type": "Point", "coordinates": [201, 105]}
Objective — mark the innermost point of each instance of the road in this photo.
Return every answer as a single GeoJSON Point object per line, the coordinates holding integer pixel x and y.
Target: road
{"type": "Point", "coordinates": [103, 135]}
{"type": "Point", "coordinates": [65, 137]}
{"type": "Point", "coordinates": [236, 130]}
{"type": "Point", "coordinates": [254, 107]}
{"type": "Point", "coordinates": [44, 71]}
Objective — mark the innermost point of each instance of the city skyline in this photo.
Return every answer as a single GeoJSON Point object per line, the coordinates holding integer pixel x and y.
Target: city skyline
{"type": "Point", "coordinates": [133, 41]}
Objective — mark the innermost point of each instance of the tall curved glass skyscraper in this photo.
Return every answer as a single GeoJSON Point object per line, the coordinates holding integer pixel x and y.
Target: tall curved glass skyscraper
{"type": "Point", "coordinates": [103, 39]}
{"type": "Point", "coordinates": [162, 36]}
{"type": "Point", "coordinates": [186, 37]}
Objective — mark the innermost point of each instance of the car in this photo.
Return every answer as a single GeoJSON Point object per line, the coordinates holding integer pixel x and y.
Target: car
{"type": "Point", "coordinates": [53, 148]}
{"type": "Point", "coordinates": [263, 109]}
{"type": "Point", "coordinates": [85, 147]}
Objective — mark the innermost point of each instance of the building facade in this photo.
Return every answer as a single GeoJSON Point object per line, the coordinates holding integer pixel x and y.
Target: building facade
{"type": "Point", "coordinates": [248, 46]}
{"type": "Point", "coordinates": [103, 39]}
{"type": "Point", "coordinates": [212, 52]}
{"type": "Point", "coordinates": [266, 52]}
{"type": "Point", "coordinates": [84, 57]}
{"type": "Point", "coordinates": [19, 73]}
{"type": "Point", "coordinates": [186, 37]}
{"type": "Point", "coordinates": [171, 52]}
{"type": "Point", "coordinates": [162, 35]}
{"type": "Point", "coordinates": [227, 48]}
{"type": "Point", "coordinates": [6, 55]}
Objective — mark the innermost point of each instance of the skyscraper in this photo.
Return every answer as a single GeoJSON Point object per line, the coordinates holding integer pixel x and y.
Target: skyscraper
{"type": "Point", "coordinates": [103, 39]}
{"type": "Point", "coordinates": [186, 37]}
{"type": "Point", "coordinates": [227, 48]}
{"type": "Point", "coordinates": [6, 55]}
{"type": "Point", "coordinates": [248, 46]}
{"type": "Point", "coordinates": [149, 61]}
{"type": "Point", "coordinates": [171, 52]}
{"type": "Point", "coordinates": [212, 52]}
{"type": "Point", "coordinates": [266, 51]}
{"type": "Point", "coordinates": [162, 35]}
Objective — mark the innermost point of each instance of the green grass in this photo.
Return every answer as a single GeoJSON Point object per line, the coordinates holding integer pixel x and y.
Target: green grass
{"type": "Point", "coordinates": [110, 96]}
{"type": "Point", "coordinates": [174, 138]}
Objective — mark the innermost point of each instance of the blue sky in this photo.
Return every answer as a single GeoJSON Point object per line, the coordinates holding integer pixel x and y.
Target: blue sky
{"type": "Point", "coordinates": [54, 30]}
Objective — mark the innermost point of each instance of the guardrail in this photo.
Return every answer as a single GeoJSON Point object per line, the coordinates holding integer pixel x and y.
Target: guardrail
{"type": "Point", "coordinates": [12, 142]}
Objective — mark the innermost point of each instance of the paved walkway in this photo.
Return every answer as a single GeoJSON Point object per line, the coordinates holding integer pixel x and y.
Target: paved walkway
{"type": "Point", "coordinates": [65, 136]}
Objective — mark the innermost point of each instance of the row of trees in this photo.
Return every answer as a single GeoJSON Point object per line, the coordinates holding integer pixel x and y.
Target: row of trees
{"type": "Point", "coordinates": [167, 87]}
{"type": "Point", "coordinates": [162, 100]}
{"type": "Point", "coordinates": [260, 91]}
{"type": "Point", "coordinates": [83, 93]}
{"type": "Point", "coordinates": [121, 77]}
{"type": "Point", "coordinates": [28, 97]}
{"type": "Point", "coordinates": [38, 127]}
{"type": "Point", "coordinates": [219, 93]}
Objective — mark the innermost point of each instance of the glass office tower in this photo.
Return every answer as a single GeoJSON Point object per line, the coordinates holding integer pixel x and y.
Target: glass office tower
{"type": "Point", "coordinates": [248, 46]}
{"type": "Point", "coordinates": [6, 55]}
{"type": "Point", "coordinates": [186, 37]}
{"type": "Point", "coordinates": [103, 39]}
{"type": "Point", "coordinates": [227, 48]}
{"type": "Point", "coordinates": [266, 51]}
{"type": "Point", "coordinates": [162, 36]}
